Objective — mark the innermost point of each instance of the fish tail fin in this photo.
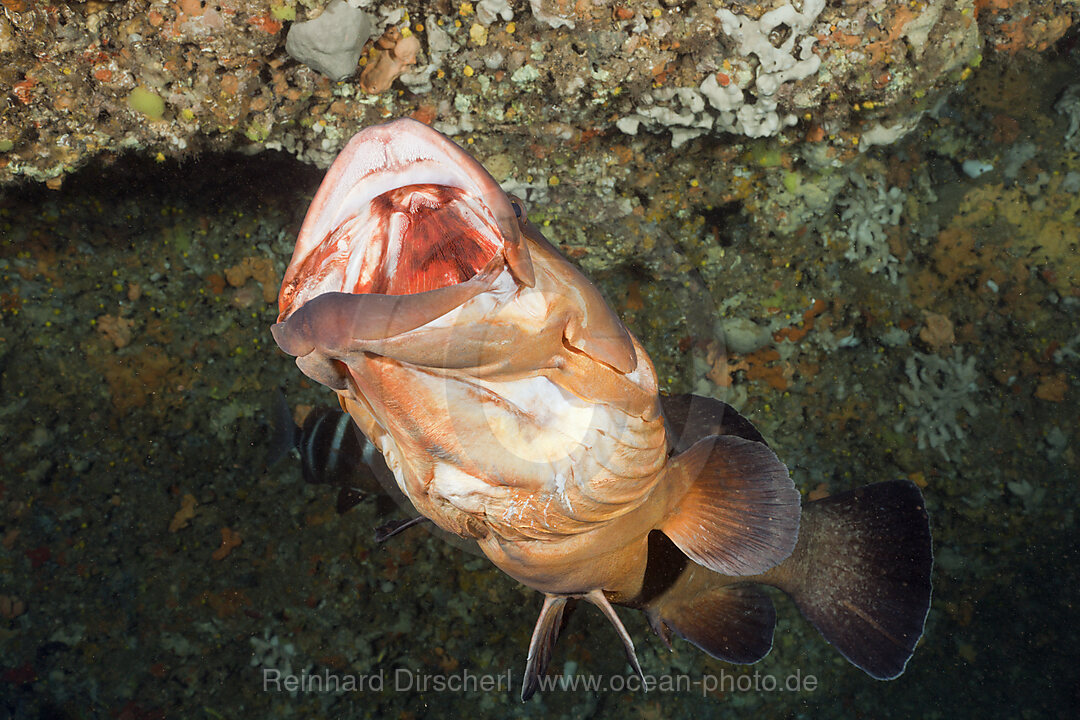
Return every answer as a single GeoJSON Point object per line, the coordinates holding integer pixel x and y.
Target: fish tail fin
{"type": "Point", "coordinates": [861, 573]}
{"type": "Point", "coordinates": [739, 513]}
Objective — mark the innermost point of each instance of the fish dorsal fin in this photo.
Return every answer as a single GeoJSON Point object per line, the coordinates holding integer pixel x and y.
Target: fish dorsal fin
{"type": "Point", "coordinates": [693, 417]}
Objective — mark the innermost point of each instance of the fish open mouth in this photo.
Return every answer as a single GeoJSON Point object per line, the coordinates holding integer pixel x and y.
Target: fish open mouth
{"type": "Point", "coordinates": [402, 211]}
{"type": "Point", "coordinates": [418, 238]}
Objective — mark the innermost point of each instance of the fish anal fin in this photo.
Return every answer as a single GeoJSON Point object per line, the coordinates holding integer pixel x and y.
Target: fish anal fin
{"type": "Point", "coordinates": [740, 511]}
{"type": "Point", "coordinates": [733, 623]}
{"type": "Point", "coordinates": [861, 573]}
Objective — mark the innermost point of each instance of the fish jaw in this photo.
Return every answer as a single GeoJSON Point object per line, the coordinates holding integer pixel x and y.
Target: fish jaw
{"type": "Point", "coordinates": [401, 210]}
{"type": "Point", "coordinates": [509, 400]}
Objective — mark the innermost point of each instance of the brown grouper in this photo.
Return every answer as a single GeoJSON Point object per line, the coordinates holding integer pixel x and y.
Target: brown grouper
{"type": "Point", "coordinates": [514, 408]}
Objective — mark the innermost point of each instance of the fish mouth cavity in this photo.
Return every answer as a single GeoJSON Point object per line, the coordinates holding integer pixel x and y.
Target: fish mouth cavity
{"type": "Point", "coordinates": [403, 210]}
{"type": "Point", "coordinates": [421, 237]}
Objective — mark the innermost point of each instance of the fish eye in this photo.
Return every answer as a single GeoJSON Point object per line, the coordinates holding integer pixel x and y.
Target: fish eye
{"type": "Point", "coordinates": [519, 208]}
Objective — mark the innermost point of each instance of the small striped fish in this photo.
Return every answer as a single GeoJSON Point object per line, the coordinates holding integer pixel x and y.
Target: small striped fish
{"type": "Point", "coordinates": [332, 452]}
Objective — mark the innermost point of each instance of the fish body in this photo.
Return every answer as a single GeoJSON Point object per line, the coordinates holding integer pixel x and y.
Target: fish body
{"type": "Point", "coordinates": [332, 452]}
{"type": "Point", "coordinates": [515, 449]}
{"type": "Point", "coordinates": [512, 405]}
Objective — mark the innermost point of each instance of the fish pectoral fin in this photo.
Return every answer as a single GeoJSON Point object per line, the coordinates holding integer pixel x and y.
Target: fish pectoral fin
{"type": "Point", "coordinates": [733, 623]}
{"type": "Point", "coordinates": [597, 598]}
{"type": "Point", "coordinates": [861, 573]}
{"type": "Point", "coordinates": [545, 635]}
{"type": "Point", "coordinates": [740, 511]}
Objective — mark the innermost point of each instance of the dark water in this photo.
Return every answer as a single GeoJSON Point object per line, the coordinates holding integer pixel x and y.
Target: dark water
{"type": "Point", "coordinates": [137, 374]}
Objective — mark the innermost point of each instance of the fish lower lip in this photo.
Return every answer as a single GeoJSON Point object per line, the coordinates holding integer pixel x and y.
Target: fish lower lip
{"type": "Point", "coordinates": [339, 322]}
{"type": "Point", "coordinates": [292, 342]}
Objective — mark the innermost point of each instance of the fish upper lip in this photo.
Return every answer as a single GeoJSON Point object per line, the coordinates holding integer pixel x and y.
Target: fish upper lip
{"type": "Point", "coordinates": [385, 157]}
{"type": "Point", "coordinates": [376, 161]}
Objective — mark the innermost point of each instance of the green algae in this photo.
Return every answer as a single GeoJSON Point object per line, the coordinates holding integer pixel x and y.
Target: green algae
{"type": "Point", "coordinates": [146, 102]}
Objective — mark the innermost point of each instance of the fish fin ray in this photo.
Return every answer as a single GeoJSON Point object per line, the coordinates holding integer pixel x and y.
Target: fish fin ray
{"type": "Point", "coordinates": [740, 512]}
{"type": "Point", "coordinates": [388, 530]}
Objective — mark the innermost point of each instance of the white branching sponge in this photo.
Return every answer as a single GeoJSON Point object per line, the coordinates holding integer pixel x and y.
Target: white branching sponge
{"type": "Point", "coordinates": [769, 53]}
{"type": "Point", "coordinates": [789, 61]}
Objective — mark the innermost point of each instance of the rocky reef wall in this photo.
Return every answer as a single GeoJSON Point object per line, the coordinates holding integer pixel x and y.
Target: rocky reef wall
{"type": "Point", "coordinates": [170, 78]}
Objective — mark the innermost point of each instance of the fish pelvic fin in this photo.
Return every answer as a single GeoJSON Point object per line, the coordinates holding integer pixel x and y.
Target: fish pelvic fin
{"type": "Point", "coordinates": [861, 573]}
{"type": "Point", "coordinates": [552, 618]}
{"type": "Point", "coordinates": [388, 530]}
{"type": "Point", "coordinates": [545, 634]}
{"type": "Point", "coordinates": [597, 598]}
{"type": "Point", "coordinates": [739, 514]}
